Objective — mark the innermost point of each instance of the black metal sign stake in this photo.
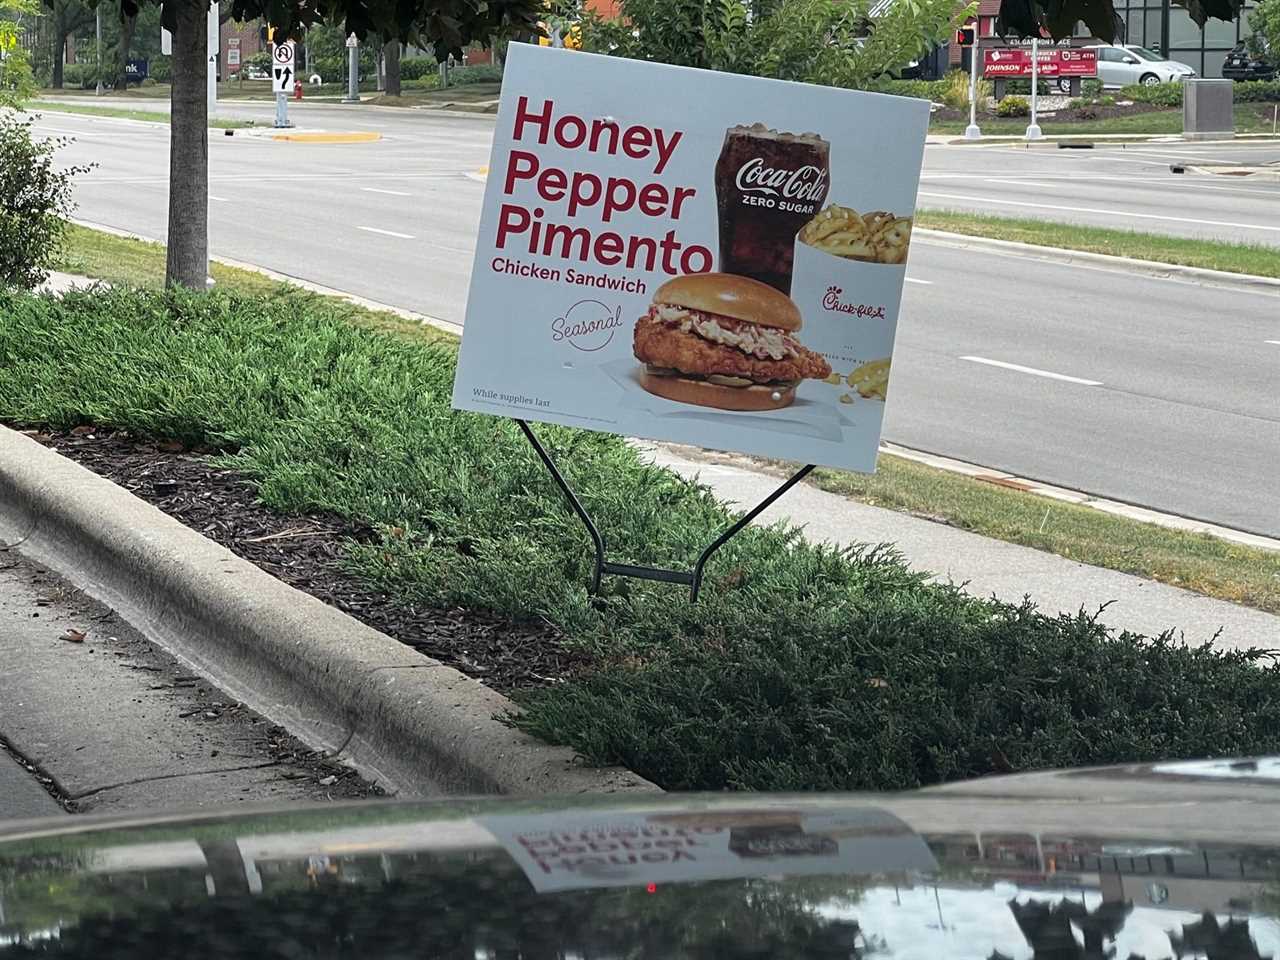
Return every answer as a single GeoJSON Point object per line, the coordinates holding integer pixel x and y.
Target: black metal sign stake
{"type": "Point", "coordinates": [692, 580]}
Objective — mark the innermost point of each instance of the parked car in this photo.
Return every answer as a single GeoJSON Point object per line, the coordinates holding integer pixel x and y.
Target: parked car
{"type": "Point", "coordinates": [1119, 66]}
{"type": "Point", "coordinates": [1148, 861]}
{"type": "Point", "coordinates": [1240, 64]}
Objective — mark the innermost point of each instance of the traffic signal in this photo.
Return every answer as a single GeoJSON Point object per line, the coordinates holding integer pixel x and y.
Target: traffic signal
{"type": "Point", "coordinates": [266, 34]}
{"type": "Point", "coordinates": [966, 36]}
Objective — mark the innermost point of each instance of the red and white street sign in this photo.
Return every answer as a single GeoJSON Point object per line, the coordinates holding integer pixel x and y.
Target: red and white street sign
{"type": "Point", "coordinates": [1054, 62]}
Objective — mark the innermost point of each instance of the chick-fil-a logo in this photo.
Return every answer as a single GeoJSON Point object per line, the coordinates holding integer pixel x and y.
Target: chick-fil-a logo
{"type": "Point", "coordinates": [833, 303]}
{"type": "Point", "coordinates": [588, 325]}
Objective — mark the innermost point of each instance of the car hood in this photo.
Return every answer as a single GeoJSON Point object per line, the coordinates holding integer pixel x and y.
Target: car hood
{"type": "Point", "coordinates": [1139, 861]}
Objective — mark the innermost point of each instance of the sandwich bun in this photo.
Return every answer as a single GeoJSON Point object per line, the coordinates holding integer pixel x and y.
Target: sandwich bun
{"type": "Point", "coordinates": [704, 393]}
{"type": "Point", "coordinates": [730, 295]}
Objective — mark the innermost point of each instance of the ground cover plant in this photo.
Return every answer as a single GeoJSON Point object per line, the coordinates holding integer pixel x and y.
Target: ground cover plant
{"type": "Point", "coordinates": [803, 667]}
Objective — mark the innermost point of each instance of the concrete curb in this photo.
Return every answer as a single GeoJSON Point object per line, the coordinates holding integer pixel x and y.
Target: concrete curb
{"type": "Point", "coordinates": [413, 723]}
{"type": "Point", "coordinates": [1104, 261]}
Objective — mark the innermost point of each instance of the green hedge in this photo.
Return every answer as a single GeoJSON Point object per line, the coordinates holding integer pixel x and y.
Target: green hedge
{"type": "Point", "coordinates": [1013, 107]}
{"type": "Point", "coordinates": [1160, 94]}
{"type": "Point", "coordinates": [1257, 91]}
{"type": "Point", "coordinates": [479, 73]}
{"type": "Point", "coordinates": [83, 76]}
{"type": "Point", "coordinates": [922, 89]}
{"type": "Point", "coordinates": [160, 69]}
{"type": "Point", "coordinates": [416, 68]}
{"type": "Point", "coordinates": [1170, 94]}
{"type": "Point", "coordinates": [802, 667]}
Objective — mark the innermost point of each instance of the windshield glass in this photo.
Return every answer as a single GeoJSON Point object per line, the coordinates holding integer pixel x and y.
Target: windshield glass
{"type": "Point", "coordinates": [1146, 54]}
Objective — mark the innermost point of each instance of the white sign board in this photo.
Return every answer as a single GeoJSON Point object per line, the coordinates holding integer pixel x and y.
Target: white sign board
{"type": "Point", "coordinates": [282, 67]}
{"type": "Point", "coordinates": [233, 57]}
{"type": "Point", "coordinates": [691, 256]}
{"type": "Point", "coordinates": [577, 849]}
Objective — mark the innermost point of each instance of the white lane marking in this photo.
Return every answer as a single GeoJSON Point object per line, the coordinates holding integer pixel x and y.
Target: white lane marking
{"type": "Point", "coordinates": [219, 199]}
{"type": "Point", "coordinates": [1276, 342]}
{"type": "Point", "coordinates": [914, 280]}
{"type": "Point", "coordinates": [1033, 371]}
{"type": "Point", "coordinates": [1192, 183]}
{"type": "Point", "coordinates": [1015, 182]}
{"type": "Point", "coordinates": [1111, 212]}
{"type": "Point", "coordinates": [387, 233]}
{"type": "Point", "coordinates": [390, 193]}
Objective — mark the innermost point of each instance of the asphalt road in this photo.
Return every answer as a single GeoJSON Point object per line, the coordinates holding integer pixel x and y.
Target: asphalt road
{"type": "Point", "coordinates": [1152, 391]}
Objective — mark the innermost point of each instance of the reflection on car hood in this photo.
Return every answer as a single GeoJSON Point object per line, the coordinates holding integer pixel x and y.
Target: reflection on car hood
{"type": "Point", "coordinates": [1172, 860]}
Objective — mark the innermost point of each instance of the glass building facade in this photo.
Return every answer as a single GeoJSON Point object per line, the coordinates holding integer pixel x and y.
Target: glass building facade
{"type": "Point", "coordinates": [1203, 50]}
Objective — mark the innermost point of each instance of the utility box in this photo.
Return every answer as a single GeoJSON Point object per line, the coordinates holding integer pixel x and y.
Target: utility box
{"type": "Point", "coordinates": [1207, 110]}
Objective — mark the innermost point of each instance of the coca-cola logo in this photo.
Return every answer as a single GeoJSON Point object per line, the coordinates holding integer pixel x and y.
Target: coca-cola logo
{"type": "Point", "coordinates": [833, 303]}
{"type": "Point", "coordinates": [807, 183]}
{"type": "Point", "coordinates": [588, 325]}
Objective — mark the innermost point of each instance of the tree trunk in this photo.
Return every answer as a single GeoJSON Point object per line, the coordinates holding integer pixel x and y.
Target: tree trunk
{"type": "Point", "coordinates": [391, 59]}
{"type": "Point", "coordinates": [127, 25]}
{"type": "Point", "coordinates": [59, 54]}
{"type": "Point", "coordinates": [188, 253]}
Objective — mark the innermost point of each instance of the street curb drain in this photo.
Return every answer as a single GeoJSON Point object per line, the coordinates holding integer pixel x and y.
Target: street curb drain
{"type": "Point", "coordinates": [414, 724]}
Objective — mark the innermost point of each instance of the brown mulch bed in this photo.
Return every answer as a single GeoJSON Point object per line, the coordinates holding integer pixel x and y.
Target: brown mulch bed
{"type": "Point", "coordinates": [305, 551]}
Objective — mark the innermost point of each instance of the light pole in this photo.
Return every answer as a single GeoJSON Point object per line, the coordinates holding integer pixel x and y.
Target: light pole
{"type": "Point", "coordinates": [353, 70]}
{"type": "Point", "coordinates": [1033, 128]}
{"type": "Point", "coordinates": [98, 27]}
{"type": "Point", "coordinates": [972, 132]}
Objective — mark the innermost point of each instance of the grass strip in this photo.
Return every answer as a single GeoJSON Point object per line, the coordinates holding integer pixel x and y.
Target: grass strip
{"type": "Point", "coordinates": [140, 263]}
{"type": "Point", "coordinates": [803, 666]}
{"type": "Point", "coordinates": [123, 113]}
{"type": "Point", "coordinates": [1199, 562]}
{"type": "Point", "coordinates": [1194, 561]}
{"type": "Point", "coordinates": [1249, 118]}
{"type": "Point", "coordinates": [1247, 258]}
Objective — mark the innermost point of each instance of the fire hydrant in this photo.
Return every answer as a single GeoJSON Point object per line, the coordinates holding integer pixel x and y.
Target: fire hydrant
{"type": "Point", "coordinates": [297, 89]}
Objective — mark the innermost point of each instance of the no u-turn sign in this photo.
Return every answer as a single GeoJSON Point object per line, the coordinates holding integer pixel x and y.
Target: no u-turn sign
{"type": "Point", "coordinates": [282, 67]}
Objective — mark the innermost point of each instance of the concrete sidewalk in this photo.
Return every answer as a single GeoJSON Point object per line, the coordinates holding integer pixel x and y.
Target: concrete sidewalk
{"type": "Point", "coordinates": [987, 567]}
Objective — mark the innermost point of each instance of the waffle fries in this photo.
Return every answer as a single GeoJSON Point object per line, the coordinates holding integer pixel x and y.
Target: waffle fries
{"type": "Point", "coordinates": [871, 380]}
{"type": "Point", "coordinates": [877, 237]}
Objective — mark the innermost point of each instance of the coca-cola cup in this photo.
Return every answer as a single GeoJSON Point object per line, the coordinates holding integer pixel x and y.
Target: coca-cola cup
{"type": "Point", "coordinates": [768, 185]}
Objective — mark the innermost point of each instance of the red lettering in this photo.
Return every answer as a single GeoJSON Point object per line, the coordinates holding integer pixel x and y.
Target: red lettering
{"type": "Point", "coordinates": [585, 191]}
{"type": "Point", "coordinates": [695, 259]}
{"type": "Point", "coordinates": [573, 139]}
{"type": "Point", "coordinates": [542, 120]}
{"type": "Point", "coordinates": [620, 196]}
{"type": "Point", "coordinates": [608, 248]}
{"type": "Point", "coordinates": [653, 199]}
{"type": "Point", "coordinates": [670, 246]}
{"type": "Point", "coordinates": [521, 165]}
{"type": "Point", "coordinates": [552, 183]}
{"type": "Point", "coordinates": [636, 142]}
{"type": "Point", "coordinates": [682, 194]}
{"type": "Point", "coordinates": [598, 127]}
{"type": "Point", "coordinates": [511, 220]}
{"type": "Point", "coordinates": [567, 235]}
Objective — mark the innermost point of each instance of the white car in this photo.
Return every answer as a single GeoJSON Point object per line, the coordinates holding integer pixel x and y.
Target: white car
{"type": "Point", "coordinates": [1120, 66]}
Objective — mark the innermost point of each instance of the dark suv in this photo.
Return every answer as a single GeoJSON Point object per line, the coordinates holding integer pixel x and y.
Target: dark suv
{"type": "Point", "coordinates": [1243, 65]}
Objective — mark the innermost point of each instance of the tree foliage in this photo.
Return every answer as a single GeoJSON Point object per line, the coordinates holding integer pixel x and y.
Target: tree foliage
{"type": "Point", "coordinates": [1058, 18]}
{"type": "Point", "coordinates": [35, 200]}
{"type": "Point", "coordinates": [16, 81]}
{"type": "Point", "coordinates": [1265, 23]}
{"type": "Point", "coordinates": [831, 42]}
